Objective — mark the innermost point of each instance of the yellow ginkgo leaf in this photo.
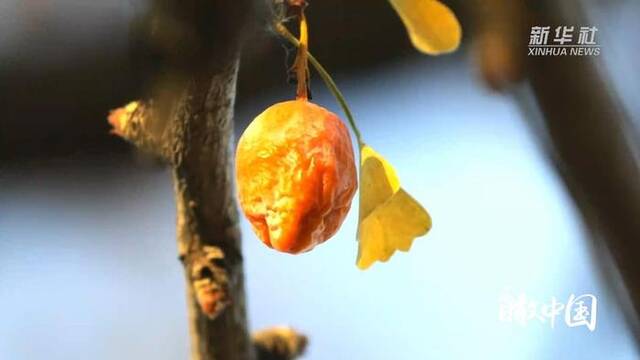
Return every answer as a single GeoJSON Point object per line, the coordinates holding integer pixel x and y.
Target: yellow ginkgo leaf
{"type": "Point", "coordinates": [433, 28]}
{"type": "Point", "coordinates": [390, 219]}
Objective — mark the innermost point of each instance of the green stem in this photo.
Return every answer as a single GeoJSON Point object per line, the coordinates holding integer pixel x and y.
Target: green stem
{"type": "Point", "coordinates": [328, 80]}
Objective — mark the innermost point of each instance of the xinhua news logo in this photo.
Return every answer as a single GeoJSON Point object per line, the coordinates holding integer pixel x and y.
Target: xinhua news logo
{"type": "Point", "coordinates": [563, 41]}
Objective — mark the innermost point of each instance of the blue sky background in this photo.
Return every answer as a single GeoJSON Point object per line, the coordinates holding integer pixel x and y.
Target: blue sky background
{"type": "Point", "coordinates": [88, 263]}
{"type": "Point", "coordinates": [88, 260]}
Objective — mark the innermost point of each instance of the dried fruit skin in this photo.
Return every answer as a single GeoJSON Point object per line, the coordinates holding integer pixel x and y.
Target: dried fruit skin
{"type": "Point", "coordinates": [296, 175]}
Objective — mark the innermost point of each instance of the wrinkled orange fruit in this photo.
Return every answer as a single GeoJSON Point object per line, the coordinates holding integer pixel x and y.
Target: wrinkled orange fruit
{"type": "Point", "coordinates": [296, 175]}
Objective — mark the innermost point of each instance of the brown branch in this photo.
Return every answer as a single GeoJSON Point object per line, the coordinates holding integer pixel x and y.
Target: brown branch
{"type": "Point", "coordinates": [594, 142]}
{"type": "Point", "coordinates": [136, 123]}
{"type": "Point", "coordinates": [208, 236]}
{"type": "Point", "coordinates": [188, 121]}
{"type": "Point", "coordinates": [588, 136]}
{"type": "Point", "coordinates": [279, 343]}
{"type": "Point", "coordinates": [499, 27]}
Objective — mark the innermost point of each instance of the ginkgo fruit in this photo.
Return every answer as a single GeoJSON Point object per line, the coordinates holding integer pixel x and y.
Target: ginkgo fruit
{"type": "Point", "coordinates": [296, 175]}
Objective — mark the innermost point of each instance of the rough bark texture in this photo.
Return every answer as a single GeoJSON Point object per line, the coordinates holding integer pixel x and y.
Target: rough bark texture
{"type": "Point", "coordinates": [188, 121]}
{"type": "Point", "coordinates": [200, 43]}
{"type": "Point", "coordinates": [208, 237]}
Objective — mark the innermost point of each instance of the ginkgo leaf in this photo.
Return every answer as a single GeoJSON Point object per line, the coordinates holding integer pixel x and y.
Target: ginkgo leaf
{"type": "Point", "coordinates": [433, 28]}
{"type": "Point", "coordinates": [390, 219]}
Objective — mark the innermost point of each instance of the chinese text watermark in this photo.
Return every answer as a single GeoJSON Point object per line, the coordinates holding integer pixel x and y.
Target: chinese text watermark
{"type": "Point", "coordinates": [576, 311]}
{"type": "Point", "coordinates": [563, 41]}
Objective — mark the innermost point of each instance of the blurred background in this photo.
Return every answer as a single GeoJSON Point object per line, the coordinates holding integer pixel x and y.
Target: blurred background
{"type": "Point", "coordinates": [88, 264]}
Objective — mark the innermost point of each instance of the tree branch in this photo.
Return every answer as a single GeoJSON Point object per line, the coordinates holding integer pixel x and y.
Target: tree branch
{"type": "Point", "coordinates": [279, 343]}
{"type": "Point", "coordinates": [208, 235]}
{"type": "Point", "coordinates": [188, 121]}
{"type": "Point", "coordinates": [588, 136]}
{"type": "Point", "coordinates": [595, 143]}
{"type": "Point", "coordinates": [136, 123]}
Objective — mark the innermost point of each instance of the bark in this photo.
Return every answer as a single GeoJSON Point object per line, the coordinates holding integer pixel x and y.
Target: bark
{"type": "Point", "coordinates": [188, 121]}
{"type": "Point", "coordinates": [208, 235]}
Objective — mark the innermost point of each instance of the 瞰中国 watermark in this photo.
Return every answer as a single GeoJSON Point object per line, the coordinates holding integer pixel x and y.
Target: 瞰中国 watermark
{"type": "Point", "coordinates": [577, 311]}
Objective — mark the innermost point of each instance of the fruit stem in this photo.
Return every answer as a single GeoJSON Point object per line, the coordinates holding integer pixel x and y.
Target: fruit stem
{"type": "Point", "coordinates": [302, 65]}
{"type": "Point", "coordinates": [328, 80]}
